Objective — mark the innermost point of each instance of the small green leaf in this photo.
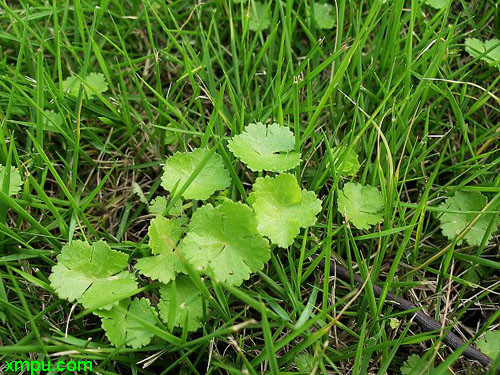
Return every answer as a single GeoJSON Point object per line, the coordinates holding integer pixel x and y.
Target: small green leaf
{"type": "Point", "coordinates": [282, 208]}
{"type": "Point", "coordinates": [178, 168]}
{"type": "Point", "coordinates": [93, 82]}
{"type": "Point", "coordinates": [490, 344]}
{"type": "Point", "coordinates": [459, 216]}
{"type": "Point", "coordinates": [304, 362]}
{"type": "Point", "coordinates": [188, 303]}
{"type": "Point", "coordinates": [163, 237]}
{"type": "Point", "coordinates": [223, 241]}
{"type": "Point", "coordinates": [15, 180]}
{"type": "Point", "coordinates": [123, 328]}
{"type": "Point", "coordinates": [97, 82]}
{"type": "Point", "coordinates": [137, 190]}
{"type": "Point", "coordinates": [437, 4]}
{"type": "Point", "coordinates": [323, 15]}
{"type": "Point", "coordinates": [415, 365]}
{"type": "Point", "coordinates": [361, 205]}
{"type": "Point", "coordinates": [91, 274]}
{"type": "Point", "coordinates": [266, 148]}
{"type": "Point", "coordinates": [158, 206]}
{"type": "Point", "coordinates": [260, 16]}
{"type": "Point", "coordinates": [165, 233]}
{"type": "Point", "coordinates": [393, 323]}
{"type": "Point", "coordinates": [53, 122]}
{"type": "Point", "coordinates": [350, 164]}
{"type": "Point", "coordinates": [478, 49]}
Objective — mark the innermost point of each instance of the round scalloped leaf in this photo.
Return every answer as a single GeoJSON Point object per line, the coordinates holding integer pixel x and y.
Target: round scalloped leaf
{"type": "Point", "coordinates": [224, 242]}
{"type": "Point", "coordinates": [94, 82]}
{"type": "Point", "coordinates": [460, 216]}
{"type": "Point", "coordinates": [212, 177]}
{"type": "Point", "coordinates": [361, 205]}
{"type": "Point", "coordinates": [53, 122]}
{"type": "Point", "coordinates": [488, 51]}
{"type": "Point", "coordinates": [158, 206]}
{"type": "Point", "coordinates": [121, 324]}
{"type": "Point", "coordinates": [282, 208]}
{"type": "Point", "coordinates": [187, 304]}
{"type": "Point", "coordinates": [91, 274]}
{"type": "Point", "coordinates": [266, 148]}
{"type": "Point", "coordinates": [323, 15]}
{"type": "Point", "coordinates": [165, 233]}
{"type": "Point", "coordinates": [163, 237]}
{"type": "Point", "coordinates": [350, 165]}
{"type": "Point", "coordinates": [437, 4]}
{"type": "Point", "coordinates": [260, 16]}
{"type": "Point", "coordinates": [15, 180]}
{"type": "Point", "coordinates": [490, 344]}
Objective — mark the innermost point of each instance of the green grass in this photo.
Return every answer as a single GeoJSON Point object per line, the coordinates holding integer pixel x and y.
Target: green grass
{"type": "Point", "coordinates": [392, 81]}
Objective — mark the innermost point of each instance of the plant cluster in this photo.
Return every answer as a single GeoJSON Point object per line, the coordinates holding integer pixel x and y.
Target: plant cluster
{"type": "Point", "coordinates": [227, 241]}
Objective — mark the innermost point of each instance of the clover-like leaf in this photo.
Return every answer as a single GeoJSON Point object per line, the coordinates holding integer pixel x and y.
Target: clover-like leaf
{"type": "Point", "coordinates": [282, 208]}
{"type": "Point", "coordinates": [488, 51]}
{"type": "Point", "coordinates": [122, 323]}
{"type": "Point", "coordinates": [163, 237]}
{"type": "Point", "coordinates": [349, 165]}
{"type": "Point", "coordinates": [490, 344]}
{"type": "Point", "coordinates": [91, 274]}
{"type": "Point", "coordinates": [460, 210]}
{"type": "Point", "coordinates": [15, 180]}
{"type": "Point", "coordinates": [183, 299]}
{"type": "Point", "coordinates": [361, 205]}
{"type": "Point", "coordinates": [212, 177]}
{"type": "Point", "coordinates": [266, 148]}
{"type": "Point", "coordinates": [94, 82]}
{"type": "Point", "coordinates": [223, 241]}
{"type": "Point", "coordinates": [323, 15]}
{"type": "Point", "coordinates": [260, 16]}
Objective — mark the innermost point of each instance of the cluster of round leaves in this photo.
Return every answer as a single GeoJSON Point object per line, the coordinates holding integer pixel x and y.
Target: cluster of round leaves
{"type": "Point", "coordinates": [227, 242]}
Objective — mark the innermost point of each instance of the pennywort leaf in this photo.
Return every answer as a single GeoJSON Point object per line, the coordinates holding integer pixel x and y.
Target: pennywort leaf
{"type": "Point", "coordinates": [91, 274]}
{"type": "Point", "coordinates": [414, 365]}
{"type": "Point", "coordinates": [460, 210]}
{"type": "Point", "coordinates": [15, 180]}
{"type": "Point", "coordinates": [437, 4]}
{"type": "Point", "coordinates": [282, 208]}
{"type": "Point", "coordinates": [158, 206]}
{"type": "Point", "coordinates": [361, 205]}
{"type": "Point", "coordinates": [163, 237]}
{"type": "Point", "coordinates": [187, 303]}
{"type": "Point", "coordinates": [260, 16]}
{"type": "Point", "coordinates": [122, 325]}
{"type": "Point", "coordinates": [266, 148]}
{"type": "Point", "coordinates": [488, 51]}
{"type": "Point", "coordinates": [178, 168]}
{"type": "Point", "coordinates": [349, 165]}
{"type": "Point", "coordinates": [323, 15]}
{"type": "Point", "coordinates": [490, 344]}
{"type": "Point", "coordinates": [224, 242]}
{"type": "Point", "coordinates": [93, 82]}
